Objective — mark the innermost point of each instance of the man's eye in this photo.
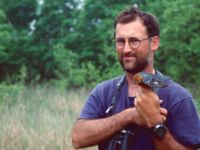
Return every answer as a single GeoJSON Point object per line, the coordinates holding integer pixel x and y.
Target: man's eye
{"type": "Point", "coordinates": [119, 40]}
{"type": "Point", "coordinates": [134, 40]}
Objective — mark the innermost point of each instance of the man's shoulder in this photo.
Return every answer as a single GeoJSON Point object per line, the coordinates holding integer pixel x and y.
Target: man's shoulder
{"type": "Point", "coordinates": [110, 83]}
{"type": "Point", "coordinates": [107, 87]}
{"type": "Point", "coordinates": [173, 85]}
{"type": "Point", "coordinates": [177, 86]}
{"type": "Point", "coordinates": [175, 91]}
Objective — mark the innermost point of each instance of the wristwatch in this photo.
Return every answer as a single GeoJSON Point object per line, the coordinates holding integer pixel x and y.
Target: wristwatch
{"type": "Point", "coordinates": [159, 131]}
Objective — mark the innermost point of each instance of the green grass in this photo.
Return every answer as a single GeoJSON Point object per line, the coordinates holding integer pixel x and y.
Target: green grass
{"type": "Point", "coordinates": [39, 118]}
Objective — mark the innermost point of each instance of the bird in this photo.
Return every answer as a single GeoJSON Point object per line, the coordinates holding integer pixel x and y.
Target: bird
{"type": "Point", "coordinates": [151, 81]}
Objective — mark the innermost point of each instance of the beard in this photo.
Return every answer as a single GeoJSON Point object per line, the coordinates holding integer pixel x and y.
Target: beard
{"type": "Point", "coordinates": [134, 66]}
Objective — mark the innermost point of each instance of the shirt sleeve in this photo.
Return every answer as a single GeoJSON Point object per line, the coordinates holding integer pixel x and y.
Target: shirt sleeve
{"type": "Point", "coordinates": [184, 123]}
{"type": "Point", "coordinates": [95, 105]}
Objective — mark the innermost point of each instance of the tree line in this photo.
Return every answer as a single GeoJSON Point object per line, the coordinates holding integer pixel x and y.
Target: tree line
{"type": "Point", "coordinates": [71, 41]}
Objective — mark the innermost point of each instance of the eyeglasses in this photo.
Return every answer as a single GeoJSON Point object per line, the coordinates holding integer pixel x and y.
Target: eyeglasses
{"type": "Point", "coordinates": [133, 42]}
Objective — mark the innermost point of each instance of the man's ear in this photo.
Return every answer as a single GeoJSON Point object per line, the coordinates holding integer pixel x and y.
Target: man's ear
{"type": "Point", "coordinates": [155, 41]}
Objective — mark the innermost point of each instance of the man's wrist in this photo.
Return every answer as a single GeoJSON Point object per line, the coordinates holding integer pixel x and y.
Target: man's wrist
{"type": "Point", "coordinates": [159, 131]}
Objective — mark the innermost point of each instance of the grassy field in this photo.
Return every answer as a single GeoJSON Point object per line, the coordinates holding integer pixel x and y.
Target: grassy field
{"type": "Point", "coordinates": [38, 118]}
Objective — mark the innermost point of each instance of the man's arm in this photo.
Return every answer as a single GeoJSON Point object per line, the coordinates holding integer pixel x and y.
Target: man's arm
{"type": "Point", "coordinates": [169, 143]}
{"type": "Point", "coordinates": [147, 105]}
{"type": "Point", "coordinates": [91, 132]}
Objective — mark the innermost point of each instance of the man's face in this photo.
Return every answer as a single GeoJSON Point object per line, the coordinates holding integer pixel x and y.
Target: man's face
{"type": "Point", "coordinates": [135, 59]}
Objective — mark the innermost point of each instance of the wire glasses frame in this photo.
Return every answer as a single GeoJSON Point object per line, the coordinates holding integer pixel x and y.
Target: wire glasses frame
{"type": "Point", "coordinates": [133, 42]}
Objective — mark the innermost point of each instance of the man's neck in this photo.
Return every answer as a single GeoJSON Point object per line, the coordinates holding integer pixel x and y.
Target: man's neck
{"type": "Point", "coordinates": [129, 76]}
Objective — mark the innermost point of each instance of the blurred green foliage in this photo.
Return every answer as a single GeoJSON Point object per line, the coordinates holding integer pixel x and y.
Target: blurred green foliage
{"type": "Point", "coordinates": [71, 41]}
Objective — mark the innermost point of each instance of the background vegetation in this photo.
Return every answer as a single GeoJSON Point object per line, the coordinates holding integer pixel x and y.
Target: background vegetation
{"type": "Point", "coordinates": [51, 48]}
{"type": "Point", "coordinates": [71, 40]}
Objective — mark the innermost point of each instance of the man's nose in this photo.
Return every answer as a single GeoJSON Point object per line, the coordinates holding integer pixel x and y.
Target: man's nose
{"type": "Point", "coordinates": [127, 47]}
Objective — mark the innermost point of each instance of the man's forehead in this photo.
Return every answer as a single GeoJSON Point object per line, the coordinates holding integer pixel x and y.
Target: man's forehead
{"type": "Point", "coordinates": [133, 28]}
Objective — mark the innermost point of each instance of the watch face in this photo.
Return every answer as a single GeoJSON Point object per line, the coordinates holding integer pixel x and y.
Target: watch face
{"type": "Point", "coordinates": [159, 131]}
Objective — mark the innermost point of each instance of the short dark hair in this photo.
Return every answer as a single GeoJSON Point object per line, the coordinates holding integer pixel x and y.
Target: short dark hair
{"type": "Point", "coordinates": [148, 20]}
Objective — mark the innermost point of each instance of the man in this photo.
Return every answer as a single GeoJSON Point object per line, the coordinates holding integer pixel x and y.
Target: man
{"type": "Point", "coordinates": [120, 114]}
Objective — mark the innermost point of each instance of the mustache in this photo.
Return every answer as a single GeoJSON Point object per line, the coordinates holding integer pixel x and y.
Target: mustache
{"type": "Point", "coordinates": [130, 54]}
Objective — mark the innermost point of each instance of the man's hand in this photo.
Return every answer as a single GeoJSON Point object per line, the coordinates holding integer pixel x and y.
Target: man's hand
{"type": "Point", "coordinates": [148, 107]}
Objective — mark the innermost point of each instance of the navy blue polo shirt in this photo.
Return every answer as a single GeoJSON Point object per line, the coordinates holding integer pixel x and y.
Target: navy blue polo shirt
{"type": "Point", "coordinates": [182, 121]}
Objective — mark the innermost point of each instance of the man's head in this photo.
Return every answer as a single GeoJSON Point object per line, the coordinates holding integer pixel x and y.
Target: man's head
{"type": "Point", "coordinates": [148, 20]}
{"type": "Point", "coordinates": [136, 38]}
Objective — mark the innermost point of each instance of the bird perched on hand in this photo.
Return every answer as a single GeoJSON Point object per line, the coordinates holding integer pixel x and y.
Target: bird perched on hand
{"type": "Point", "coordinates": [151, 81]}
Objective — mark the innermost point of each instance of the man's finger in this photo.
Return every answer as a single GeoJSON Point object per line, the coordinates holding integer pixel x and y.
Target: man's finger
{"type": "Point", "coordinates": [163, 111]}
